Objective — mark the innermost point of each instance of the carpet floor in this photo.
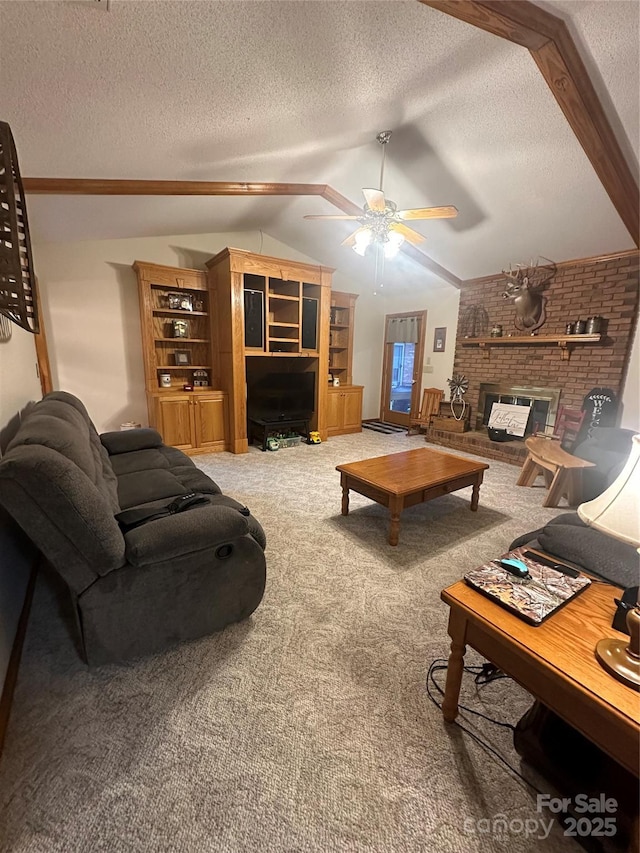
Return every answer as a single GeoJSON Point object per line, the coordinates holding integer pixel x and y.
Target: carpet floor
{"type": "Point", "coordinates": [308, 726]}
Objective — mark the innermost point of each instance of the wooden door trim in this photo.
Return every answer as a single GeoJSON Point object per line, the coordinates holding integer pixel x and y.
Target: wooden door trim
{"type": "Point", "coordinates": [554, 51]}
{"type": "Point", "coordinates": [42, 351]}
{"type": "Point", "coordinates": [419, 351]}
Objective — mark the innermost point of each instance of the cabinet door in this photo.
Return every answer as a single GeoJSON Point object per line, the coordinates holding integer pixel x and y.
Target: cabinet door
{"type": "Point", "coordinates": [176, 421]}
{"type": "Point", "coordinates": [335, 410]}
{"type": "Point", "coordinates": [352, 412]}
{"type": "Point", "coordinates": [210, 420]}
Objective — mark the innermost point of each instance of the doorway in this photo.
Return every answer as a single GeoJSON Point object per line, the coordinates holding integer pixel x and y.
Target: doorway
{"type": "Point", "coordinates": [404, 336]}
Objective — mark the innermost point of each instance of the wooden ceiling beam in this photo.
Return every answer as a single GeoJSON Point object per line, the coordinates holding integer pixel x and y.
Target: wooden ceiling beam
{"type": "Point", "coordinates": [341, 202]}
{"type": "Point", "coordinates": [93, 186]}
{"type": "Point", "coordinates": [551, 45]}
{"type": "Point", "coordinates": [508, 26]}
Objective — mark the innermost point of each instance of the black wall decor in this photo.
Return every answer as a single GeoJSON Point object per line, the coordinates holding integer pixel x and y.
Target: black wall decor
{"type": "Point", "coordinates": [17, 284]}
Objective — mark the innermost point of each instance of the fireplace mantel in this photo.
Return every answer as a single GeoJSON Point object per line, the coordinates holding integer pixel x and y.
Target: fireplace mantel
{"type": "Point", "coordinates": [565, 342]}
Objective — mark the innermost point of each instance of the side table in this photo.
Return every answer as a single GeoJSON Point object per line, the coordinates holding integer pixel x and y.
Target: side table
{"type": "Point", "coordinates": [555, 662]}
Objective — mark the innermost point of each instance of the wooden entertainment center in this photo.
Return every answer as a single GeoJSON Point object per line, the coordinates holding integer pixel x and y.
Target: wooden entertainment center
{"type": "Point", "coordinates": [210, 330]}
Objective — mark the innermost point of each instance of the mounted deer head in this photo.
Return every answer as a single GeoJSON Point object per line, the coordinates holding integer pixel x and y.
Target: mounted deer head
{"type": "Point", "coordinates": [525, 287]}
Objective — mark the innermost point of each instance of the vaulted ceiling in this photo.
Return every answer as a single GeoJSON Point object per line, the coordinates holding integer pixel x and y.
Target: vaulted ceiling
{"type": "Point", "coordinates": [296, 92]}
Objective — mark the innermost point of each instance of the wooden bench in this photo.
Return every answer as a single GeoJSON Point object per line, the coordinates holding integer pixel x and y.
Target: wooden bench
{"type": "Point", "coordinates": [561, 470]}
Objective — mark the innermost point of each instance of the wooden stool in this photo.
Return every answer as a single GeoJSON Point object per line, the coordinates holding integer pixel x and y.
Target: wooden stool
{"type": "Point", "coordinates": [561, 470]}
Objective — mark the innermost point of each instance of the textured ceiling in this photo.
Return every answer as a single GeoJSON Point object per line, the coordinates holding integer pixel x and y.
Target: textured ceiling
{"type": "Point", "coordinates": [296, 91]}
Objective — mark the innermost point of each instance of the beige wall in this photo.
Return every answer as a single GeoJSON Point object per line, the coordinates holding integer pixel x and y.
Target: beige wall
{"type": "Point", "coordinates": [19, 385]}
{"type": "Point", "coordinates": [367, 351]}
{"type": "Point", "coordinates": [631, 393]}
{"type": "Point", "coordinates": [91, 307]}
{"type": "Point", "coordinates": [441, 305]}
{"type": "Point", "coordinates": [19, 381]}
{"type": "Point", "coordinates": [90, 301]}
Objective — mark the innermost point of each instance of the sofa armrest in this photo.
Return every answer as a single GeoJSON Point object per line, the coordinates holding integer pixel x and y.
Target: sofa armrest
{"type": "Point", "coordinates": [128, 440]}
{"type": "Point", "coordinates": [198, 529]}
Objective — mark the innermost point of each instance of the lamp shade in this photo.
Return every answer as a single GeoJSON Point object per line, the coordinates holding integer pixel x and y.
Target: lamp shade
{"type": "Point", "coordinates": [617, 510]}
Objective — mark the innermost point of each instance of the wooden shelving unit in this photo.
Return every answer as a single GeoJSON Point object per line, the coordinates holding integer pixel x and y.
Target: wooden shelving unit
{"type": "Point", "coordinates": [565, 342]}
{"type": "Point", "coordinates": [344, 412]}
{"type": "Point", "coordinates": [194, 421]}
{"type": "Point", "coordinates": [268, 308]}
{"type": "Point", "coordinates": [251, 309]}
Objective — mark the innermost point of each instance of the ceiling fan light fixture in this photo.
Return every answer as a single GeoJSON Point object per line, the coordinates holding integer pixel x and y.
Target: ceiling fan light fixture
{"type": "Point", "coordinates": [362, 241]}
{"type": "Point", "coordinates": [380, 223]}
{"type": "Point", "coordinates": [392, 244]}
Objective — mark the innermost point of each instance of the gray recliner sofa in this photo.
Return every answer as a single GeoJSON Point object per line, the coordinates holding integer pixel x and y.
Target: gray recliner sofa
{"type": "Point", "coordinates": [173, 578]}
{"type": "Point", "coordinates": [608, 448]}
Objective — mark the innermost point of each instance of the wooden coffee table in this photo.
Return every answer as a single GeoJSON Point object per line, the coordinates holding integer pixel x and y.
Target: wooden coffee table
{"type": "Point", "coordinates": [403, 479]}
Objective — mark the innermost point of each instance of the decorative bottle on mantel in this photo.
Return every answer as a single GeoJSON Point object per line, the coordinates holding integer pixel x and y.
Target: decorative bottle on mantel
{"type": "Point", "coordinates": [496, 331]}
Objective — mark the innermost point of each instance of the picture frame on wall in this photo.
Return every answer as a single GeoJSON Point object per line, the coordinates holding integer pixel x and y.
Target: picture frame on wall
{"type": "Point", "coordinates": [439, 339]}
{"type": "Point", "coordinates": [182, 357]}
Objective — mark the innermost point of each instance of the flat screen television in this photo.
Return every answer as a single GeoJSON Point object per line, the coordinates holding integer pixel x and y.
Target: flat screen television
{"type": "Point", "coordinates": [281, 396]}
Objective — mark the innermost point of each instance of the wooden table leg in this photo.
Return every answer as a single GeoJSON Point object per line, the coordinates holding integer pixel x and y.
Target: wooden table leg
{"type": "Point", "coordinates": [574, 487]}
{"type": "Point", "coordinates": [395, 508]}
{"type": "Point", "coordinates": [529, 473]}
{"type": "Point", "coordinates": [457, 631]}
{"type": "Point", "coordinates": [475, 494]}
{"type": "Point", "coordinates": [345, 494]}
{"type": "Point", "coordinates": [558, 487]}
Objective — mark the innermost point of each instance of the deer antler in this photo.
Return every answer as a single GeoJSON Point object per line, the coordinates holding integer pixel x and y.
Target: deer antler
{"type": "Point", "coordinates": [533, 274]}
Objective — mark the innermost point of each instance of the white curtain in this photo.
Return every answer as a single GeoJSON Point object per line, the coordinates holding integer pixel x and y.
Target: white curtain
{"type": "Point", "coordinates": [403, 330]}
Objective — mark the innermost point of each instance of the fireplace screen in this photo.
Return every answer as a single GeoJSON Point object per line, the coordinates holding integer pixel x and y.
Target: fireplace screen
{"type": "Point", "coordinates": [543, 403]}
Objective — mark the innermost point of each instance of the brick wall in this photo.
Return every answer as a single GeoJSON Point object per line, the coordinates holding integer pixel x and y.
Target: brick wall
{"type": "Point", "coordinates": [607, 287]}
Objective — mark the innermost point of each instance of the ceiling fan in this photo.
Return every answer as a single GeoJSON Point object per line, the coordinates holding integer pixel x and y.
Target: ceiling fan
{"type": "Point", "coordinates": [381, 222]}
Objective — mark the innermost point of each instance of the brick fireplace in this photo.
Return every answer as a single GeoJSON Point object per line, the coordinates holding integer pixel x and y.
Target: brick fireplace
{"type": "Point", "coordinates": [605, 287]}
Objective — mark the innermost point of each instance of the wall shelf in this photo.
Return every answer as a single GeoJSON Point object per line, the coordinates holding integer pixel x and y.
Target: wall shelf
{"type": "Point", "coordinates": [565, 342]}
{"type": "Point", "coordinates": [175, 341]}
{"type": "Point", "coordinates": [177, 312]}
{"type": "Point", "coordinates": [183, 367]}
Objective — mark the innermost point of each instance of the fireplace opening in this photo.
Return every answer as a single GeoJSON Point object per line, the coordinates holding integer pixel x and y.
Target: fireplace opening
{"type": "Point", "coordinates": [543, 403]}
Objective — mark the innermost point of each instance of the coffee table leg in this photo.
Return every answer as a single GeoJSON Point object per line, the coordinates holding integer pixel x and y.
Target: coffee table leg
{"type": "Point", "coordinates": [457, 632]}
{"type": "Point", "coordinates": [395, 508]}
{"type": "Point", "coordinates": [345, 494]}
{"type": "Point", "coordinates": [475, 494]}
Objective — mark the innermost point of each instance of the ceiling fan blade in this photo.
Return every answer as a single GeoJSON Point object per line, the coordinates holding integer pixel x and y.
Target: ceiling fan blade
{"type": "Point", "coordinates": [351, 239]}
{"type": "Point", "coordinates": [447, 212]}
{"type": "Point", "coordinates": [409, 234]}
{"type": "Point", "coordinates": [375, 200]}
{"type": "Point", "coordinates": [337, 216]}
